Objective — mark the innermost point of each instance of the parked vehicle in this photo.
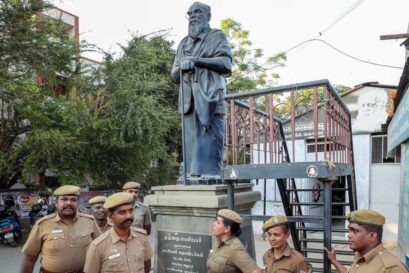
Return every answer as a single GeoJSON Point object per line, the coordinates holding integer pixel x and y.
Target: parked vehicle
{"type": "Point", "coordinates": [35, 213]}
{"type": "Point", "coordinates": [10, 231]}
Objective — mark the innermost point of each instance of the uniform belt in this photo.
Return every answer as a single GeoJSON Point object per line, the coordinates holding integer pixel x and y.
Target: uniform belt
{"type": "Point", "coordinates": [42, 270]}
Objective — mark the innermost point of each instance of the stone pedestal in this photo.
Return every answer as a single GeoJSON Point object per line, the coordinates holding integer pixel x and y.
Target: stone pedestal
{"type": "Point", "coordinates": [184, 216]}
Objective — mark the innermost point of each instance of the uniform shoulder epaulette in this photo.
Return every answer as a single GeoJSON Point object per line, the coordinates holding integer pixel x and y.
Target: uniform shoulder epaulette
{"type": "Point", "coordinates": [388, 259]}
{"type": "Point", "coordinates": [141, 204]}
{"type": "Point", "coordinates": [101, 238]}
{"type": "Point", "coordinates": [86, 215]}
{"type": "Point", "coordinates": [42, 219]}
{"type": "Point", "coordinates": [236, 243]}
{"type": "Point", "coordinates": [297, 254]}
{"type": "Point", "coordinates": [267, 251]}
{"type": "Point", "coordinates": [139, 230]}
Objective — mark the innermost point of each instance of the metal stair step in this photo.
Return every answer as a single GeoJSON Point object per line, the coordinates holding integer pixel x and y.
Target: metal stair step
{"type": "Point", "coordinates": [312, 240]}
{"type": "Point", "coordinates": [316, 250]}
{"type": "Point", "coordinates": [344, 230]}
{"type": "Point", "coordinates": [339, 217]}
{"type": "Point", "coordinates": [321, 261]}
{"type": "Point", "coordinates": [318, 204]}
{"type": "Point", "coordinates": [333, 189]}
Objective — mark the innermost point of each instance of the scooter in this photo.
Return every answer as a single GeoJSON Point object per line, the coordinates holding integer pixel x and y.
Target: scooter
{"type": "Point", "coordinates": [10, 230]}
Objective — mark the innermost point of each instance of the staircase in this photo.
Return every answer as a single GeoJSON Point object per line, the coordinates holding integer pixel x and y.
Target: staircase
{"type": "Point", "coordinates": [257, 147]}
{"type": "Point", "coordinates": [311, 237]}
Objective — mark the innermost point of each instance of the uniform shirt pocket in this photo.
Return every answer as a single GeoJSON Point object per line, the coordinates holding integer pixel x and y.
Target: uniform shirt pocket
{"type": "Point", "coordinates": [136, 263]}
{"type": "Point", "coordinates": [217, 263]}
{"type": "Point", "coordinates": [55, 241]}
{"type": "Point", "coordinates": [83, 239]}
{"type": "Point", "coordinates": [113, 265]}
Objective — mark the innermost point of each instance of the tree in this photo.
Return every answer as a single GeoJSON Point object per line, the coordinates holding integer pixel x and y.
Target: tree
{"type": "Point", "coordinates": [30, 45]}
{"type": "Point", "coordinates": [251, 69]}
{"type": "Point", "coordinates": [143, 103]}
{"type": "Point", "coordinates": [341, 89]}
{"type": "Point", "coordinates": [117, 124]}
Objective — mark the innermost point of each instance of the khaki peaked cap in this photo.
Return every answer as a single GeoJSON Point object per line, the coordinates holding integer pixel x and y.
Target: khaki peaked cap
{"type": "Point", "coordinates": [97, 199]}
{"type": "Point", "coordinates": [131, 185]}
{"type": "Point", "coordinates": [366, 217]}
{"type": "Point", "coordinates": [231, 215]}
{"type": "Point", "coordinates": [274, 221]}
{"type": "Point", "coordinates": [67, 190]}
{"type": "Point", "coordinates": [118, 199]}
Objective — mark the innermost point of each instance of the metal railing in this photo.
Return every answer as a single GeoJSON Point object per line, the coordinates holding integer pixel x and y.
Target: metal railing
{"type": "Point", "coordinates": [263, 129]}
{"type": "Point", "coordinates": [258, 122]}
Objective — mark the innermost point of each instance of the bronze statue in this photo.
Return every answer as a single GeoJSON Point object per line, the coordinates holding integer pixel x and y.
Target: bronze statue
{"type": "Point", "coordinates": [203, 60]}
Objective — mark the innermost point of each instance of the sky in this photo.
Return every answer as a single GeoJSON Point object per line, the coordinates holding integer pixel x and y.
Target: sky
{"type": "Point", "coordinates": [351, 26]}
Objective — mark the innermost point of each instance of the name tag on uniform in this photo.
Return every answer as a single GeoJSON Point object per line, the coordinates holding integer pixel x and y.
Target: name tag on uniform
{"type": "Point", "coordinates": [114, 256]}
{"type": "Point", "coordinates": [56, 231]}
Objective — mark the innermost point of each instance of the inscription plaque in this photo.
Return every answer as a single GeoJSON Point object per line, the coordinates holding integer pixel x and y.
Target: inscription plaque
{"type": "Point", "coordinates": [182, 252]}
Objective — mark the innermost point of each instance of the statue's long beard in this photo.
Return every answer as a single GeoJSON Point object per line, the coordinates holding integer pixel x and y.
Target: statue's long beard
{"type": "Point", "coordinates": [195, 28]}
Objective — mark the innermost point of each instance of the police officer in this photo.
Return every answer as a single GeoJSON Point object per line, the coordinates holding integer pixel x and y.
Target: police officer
{"type": "Point", "coordinates": [281, 257]}
{"type": "Point", "coordinates": [61, 238]}
{"type": "Point", "coordinates": [122, 248]}
{"type": "Point", "coordinates": [365, 238]}
{"type": "Point", "coordinates": [142, 216]}
{"type": "Point", "coordinates": [229, 254]}
{"type": "Point", "coordinates": [100, 213]}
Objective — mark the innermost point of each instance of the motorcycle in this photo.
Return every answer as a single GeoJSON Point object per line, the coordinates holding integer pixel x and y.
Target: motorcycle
{"type": "Point", "coordinates": [10, 231]}
{"type": "Point", "coordinates": [35, 213]}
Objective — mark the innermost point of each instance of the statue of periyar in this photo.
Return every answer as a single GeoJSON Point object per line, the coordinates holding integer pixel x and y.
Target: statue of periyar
{"type": "Point", "coordinates": [203, 60]}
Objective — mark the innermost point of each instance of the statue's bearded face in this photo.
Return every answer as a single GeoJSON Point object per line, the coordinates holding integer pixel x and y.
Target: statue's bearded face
{"type": "Point", "coordinates": [198, 20]}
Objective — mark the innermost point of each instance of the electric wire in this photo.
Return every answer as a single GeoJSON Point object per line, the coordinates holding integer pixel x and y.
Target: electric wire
{"type": "Point", "coordinates": [340, 51]}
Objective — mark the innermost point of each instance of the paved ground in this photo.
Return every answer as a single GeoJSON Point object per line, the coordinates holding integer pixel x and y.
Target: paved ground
{"type": "Point", "coordinates": [10, 257]}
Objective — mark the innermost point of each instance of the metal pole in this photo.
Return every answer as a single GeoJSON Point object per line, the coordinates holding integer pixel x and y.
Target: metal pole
{"type": "Point", "coordinates": [265, 198]}
{"type": "Point", "coordinates": [230, 195]}
{"type": "Point", "coordinates": [327, 221]}
{"type": "Point", "coordinates": [288, 212]}
{"type": "Point", "coordinates": [183, 128]}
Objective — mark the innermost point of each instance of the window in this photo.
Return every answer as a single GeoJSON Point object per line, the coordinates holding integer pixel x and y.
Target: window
{"type": "Point", "coordinates": [380, 153]}
{"type": "Point", "coordinates": [331, 146]}
{"type": "Point", "coordinates": [311, 148]}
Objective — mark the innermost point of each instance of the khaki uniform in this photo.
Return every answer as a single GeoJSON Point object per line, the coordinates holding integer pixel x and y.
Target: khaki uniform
{"type": "Point", "coordinates": [290, 261]}
{"type": "Point", "coordinates": [230, 257]}
{"type": "Point", "coordinates": [107, 227]}
{"type": "Point", "coordinates": [108, 253]}
{"type": "Point", "coordinates": [378, 260]}
{"type": "Point", "coordinates": [62, 247]}
{"type": "Point", "coordinates": [142, 216]}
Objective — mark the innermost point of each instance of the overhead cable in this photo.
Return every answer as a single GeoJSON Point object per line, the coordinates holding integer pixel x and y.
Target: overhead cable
{"type": "Point", "coordinates": [340, 51]}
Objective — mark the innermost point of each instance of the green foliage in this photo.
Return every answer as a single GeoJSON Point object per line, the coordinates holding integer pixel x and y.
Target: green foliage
{"type": "Point", "coordinates": [115, 125]}
{"type": "Point", "coordinates": [30, 45]}
{"type": "Point", "coordinates": [143, 119]}
{"type": "Point", "coordinates": [251, 68]}
{"type": "Point", "coordinates": [341, 89]}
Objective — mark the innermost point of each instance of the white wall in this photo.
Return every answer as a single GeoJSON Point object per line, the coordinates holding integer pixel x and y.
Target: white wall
{"type": "Point", "coordinates": [362, 152]}
{"type": "Point", "coordinates": [384, 196]}
{"type": "Point", "coordinates": [272, 193]}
